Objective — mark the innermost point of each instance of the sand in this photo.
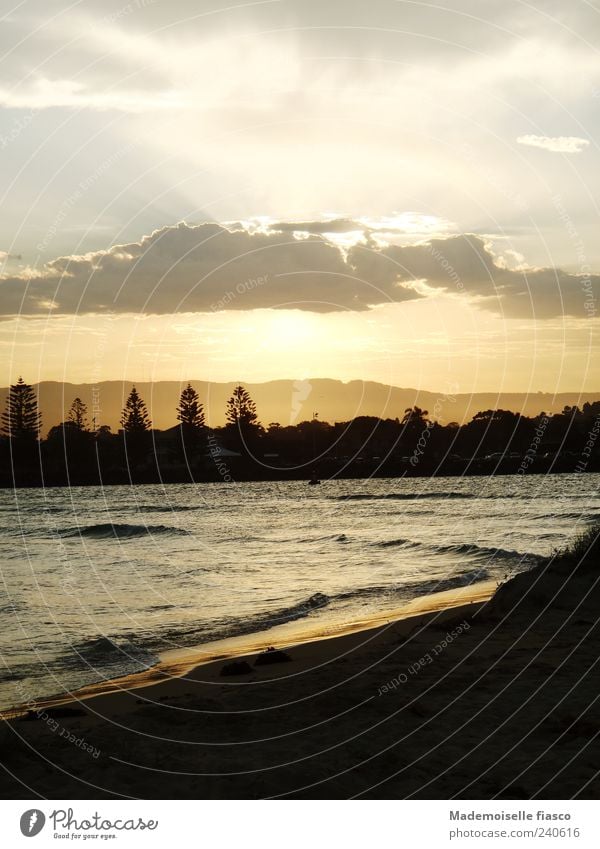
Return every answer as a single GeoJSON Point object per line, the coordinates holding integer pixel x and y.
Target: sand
{"type": "Point", "coordinates": [455, 696]}
{"type": "Point", "coordinates": [312, 648]}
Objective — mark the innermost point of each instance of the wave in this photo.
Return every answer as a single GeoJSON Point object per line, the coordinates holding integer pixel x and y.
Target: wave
{"type": "Point", "coordinates": [400, 543]}
{"type": "Point", "coordinates": [164, 508]}
{"type": "Point", "coordinates": [319, 601]}
{"type": "Point", "coordinates": [401, 496]}
{"type": "Point", "coordinates": [236, 628]}
{"type": "Point", "coordinates": [584, 517]}
{"type": "Point", "coordinates": [326, 538]}
{"type": "Point", "coordinates": [106, 652]}
{"type": "Point", "coordinates": [464, 579]}
{"type": "Point", "coordinates": [316, 601]}
{"type": "Point", "coordinates": [410, 590]}
{"type": "Point", "coordinates": [11, 607]}
{"type": "Point", "coordinates": [108, 530]}
{"type": "Point", "coordinates": [469, 549]}
{"type": "Point", "coordinates": [472, 550]}
{"type": "Point", "coordinates": [112, 657]}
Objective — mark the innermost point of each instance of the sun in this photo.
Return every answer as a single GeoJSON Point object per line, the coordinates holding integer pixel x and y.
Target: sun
{"type": "Point", "coordinates": [288, 329]}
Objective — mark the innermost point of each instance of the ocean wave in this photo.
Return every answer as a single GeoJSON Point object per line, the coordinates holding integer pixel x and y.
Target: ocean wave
{"type": "Point", "coordinates": [397, 543]}
{"type": "Point", "coordinates": [401, 496]}
{"type": "Point", "coordinates": [472, 550]}
{"type": "Point", "coordinates": [13, 607]}
{"type": "Point", "coordinates": [584, 517]}
{"type": "Point", "coordinates": [414, 589]}
{"type": "Point", "coordinates": [325, 538]}
{"type": "Point", "coordinates": [112, 657]}
{"type": "Point", "coordinates": [469, 549]}
{"type": "Point", "coordinates": [264, 621]}
{"type": "Point", "coordinates": [105, 652]}
{"type": "Point", "coordinates": [108, 530]}
{"type": "Point", "coordinates": [220, 630]}
{"type": "Point", "coordinates": [433, 585]}
{"type": "Point", "coordinates": [165, 508]}
{"type": "Point", "coordinates": [296, 611]}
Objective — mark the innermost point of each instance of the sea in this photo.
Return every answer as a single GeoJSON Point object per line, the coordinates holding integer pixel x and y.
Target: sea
{"type": "Point", "coordinates": [99, 582]}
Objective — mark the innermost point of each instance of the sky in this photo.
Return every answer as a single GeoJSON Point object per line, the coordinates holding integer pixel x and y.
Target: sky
{"type": "Point", "coordinates": [394, 191]}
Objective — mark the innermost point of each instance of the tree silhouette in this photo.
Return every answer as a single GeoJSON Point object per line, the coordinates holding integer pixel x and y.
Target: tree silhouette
{"type": "Point", "coordinates": [415, 415]}
{"type": "Point", "coordinates": [242, 421]}
{"type": "Point", "coordinates": [78, 415]}
{"type": "Point", "coordinates": [21, 418]}
{"type": "Point", "coordinates": [134, 418]}
{"type": "Point", "coordinates": [190, 411]}
{"type": "Point", "coordinates": [241, 410]}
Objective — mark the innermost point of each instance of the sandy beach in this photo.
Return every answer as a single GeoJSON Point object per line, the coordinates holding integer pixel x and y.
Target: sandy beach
{"type": "Point", "coordinates": [312, 648]}
{"type": "Point", "coordinates": [470, 693]}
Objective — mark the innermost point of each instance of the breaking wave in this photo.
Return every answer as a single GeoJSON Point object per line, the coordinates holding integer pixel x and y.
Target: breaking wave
{"type": "Point", "coordinates": [468, 549]}
{"type": "Point", "coordinates": [105, 652]}
{"type": "Point", "coordinates": [165, 508]}
{"type": "Point", "coordinates": [108, 530]}
{"type": "Point", "coordinates": [401, 496]}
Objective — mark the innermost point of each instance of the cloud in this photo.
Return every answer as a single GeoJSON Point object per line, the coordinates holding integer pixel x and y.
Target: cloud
{"type": "Point", "coordinates": [333, 225]}
{"type": "Point", "coordinates": [557, 144]}
{"type": "Point", "coordinates": [48, 94]}
{"type": "Point", "coordinates": [466, 265]}
{"type": "Point", "coordinates": [409, 223]}
{"type": "Point", "coordinates": [200, 268]}
{"type": "Point", "coordinates": [210, 267]}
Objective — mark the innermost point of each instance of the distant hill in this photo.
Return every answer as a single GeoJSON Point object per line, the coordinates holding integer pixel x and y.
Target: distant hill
{"type": "Point", "coordinates": [290, 401]}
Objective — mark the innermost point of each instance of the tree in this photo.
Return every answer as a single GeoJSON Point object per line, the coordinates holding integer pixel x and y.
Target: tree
{"type": "Point", "coordinates": [134, 418]}
{"type": "Point", "coordinates": [136, 424]}
{"type": "Point", "coordinates": [78, 415]}
{"type": "Point", "coordinates": [242, 420]}
{"type": "Point", "coordinates": [190, 411]}
{"type": "Point", "coordinates": [21, 418]}
{"type": "Point", "coordinates": [241, 410]}
{"type": "Point", "coordinates": [415, 416]}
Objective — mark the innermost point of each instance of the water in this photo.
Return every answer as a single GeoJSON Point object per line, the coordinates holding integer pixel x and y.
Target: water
{"type": "Point", "coordinates": [97, 582]}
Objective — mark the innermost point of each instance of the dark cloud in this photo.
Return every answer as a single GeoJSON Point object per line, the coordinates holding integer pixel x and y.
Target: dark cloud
{"type": "Point", "coordinates": [212, 268]}
{"type": "Point", "coordinates": [465, 264]}
{"type": "Point", "coordinates": [336, 225]}
{"type": "Point", "coordinates": [198, 269]}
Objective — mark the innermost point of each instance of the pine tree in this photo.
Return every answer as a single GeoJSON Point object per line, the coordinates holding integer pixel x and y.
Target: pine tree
{"type": "Point", "coordinates": [243, 427]}
{"type": "Point", "coordinates": [241, 410]}
{"type": "Point", "coordinates": [78, 415]}
{"type": "Point", "coordinates": [134, 418]}
{"type": "Point", "coordinates": [21, 418]}
{"type": "Point", "coordinates": [190, 411]}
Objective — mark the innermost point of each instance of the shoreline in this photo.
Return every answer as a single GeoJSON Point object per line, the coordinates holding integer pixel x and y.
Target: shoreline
{"type": "Point", "coordinates": [468, 468]}
{"type": "Point", "coordinates": [493, 698]}
{"type": "Point", "coordinates": [177, 665]}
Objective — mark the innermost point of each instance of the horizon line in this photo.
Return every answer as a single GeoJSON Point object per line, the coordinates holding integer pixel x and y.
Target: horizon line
{"type": "Point", "coordinates": [236, 381]}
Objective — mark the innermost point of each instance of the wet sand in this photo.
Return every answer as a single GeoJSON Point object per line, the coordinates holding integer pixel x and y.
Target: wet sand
{"type": "Point", "coordinates": [312, 648]}
{"type": "Point", "coordinates": [459, 697]}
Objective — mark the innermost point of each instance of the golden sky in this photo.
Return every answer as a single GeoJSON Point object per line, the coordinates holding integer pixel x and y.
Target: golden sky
{"type": "Point", "coordinates": [371, 191]}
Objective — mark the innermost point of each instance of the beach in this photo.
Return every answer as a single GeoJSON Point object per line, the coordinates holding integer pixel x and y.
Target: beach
{"type": "Point", "coordinates": [475, 694]}
{"type": "Point", "coordinates": [107, 583]}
